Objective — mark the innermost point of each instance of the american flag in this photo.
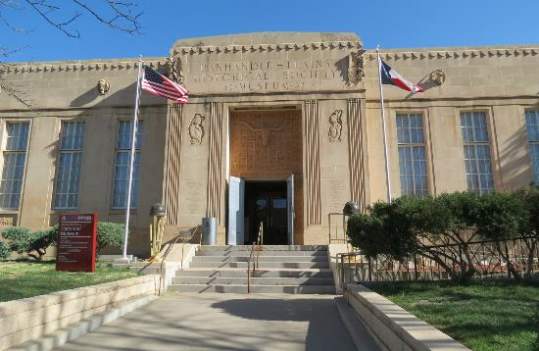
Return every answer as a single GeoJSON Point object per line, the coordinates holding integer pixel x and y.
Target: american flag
{"type": "Point", "coordinates": [157, 84]}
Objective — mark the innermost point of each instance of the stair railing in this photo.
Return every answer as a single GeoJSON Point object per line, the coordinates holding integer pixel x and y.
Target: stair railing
{"type": "Point", "coordinates": [194, 233]}
{"type": "Point", "coordinates": [256, 247]}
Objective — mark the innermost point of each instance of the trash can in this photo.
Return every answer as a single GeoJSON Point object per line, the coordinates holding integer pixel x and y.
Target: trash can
{"type": "Point", "coordinates": [209, 229]}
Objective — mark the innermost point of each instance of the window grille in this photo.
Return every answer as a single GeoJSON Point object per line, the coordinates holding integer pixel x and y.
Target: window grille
{"type": "Point", "coordinates": [477, 158]}
{"type": "Point", "coordinates": [69, 163]}
{"type": "Point", "coordinates": [412, 157]}
{"type": "Point", "coordinates": [121, 166]}
{"type": "Point", "coordinates": [14, 163]}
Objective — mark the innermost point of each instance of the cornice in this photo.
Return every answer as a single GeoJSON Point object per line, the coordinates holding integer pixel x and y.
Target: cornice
{"type": "Point", "coordinates": [456, 53]}
{"type": "Point", "coordinates": [321, 45]}
{"type": "Point", "coordinates": [74, 66]}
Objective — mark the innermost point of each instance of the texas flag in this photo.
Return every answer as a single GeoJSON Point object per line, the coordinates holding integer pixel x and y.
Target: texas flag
{"type": "Point", "coordinates": [390, 76]}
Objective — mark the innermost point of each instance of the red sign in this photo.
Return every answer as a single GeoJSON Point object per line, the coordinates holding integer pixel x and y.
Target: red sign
{"type": "Point", "coordinates": [77, 243]}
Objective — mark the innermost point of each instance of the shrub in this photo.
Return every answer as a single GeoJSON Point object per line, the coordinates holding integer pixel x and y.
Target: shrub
{"type": "Point", "coordinates": [4, 251]}
{"type": "Point", "coordinates": [502, 216]}
{"type": "Point", "coordinates": [18, 238]}
{"type": "Point", "coordinates": [23, 241]}
{"type": "Point", "coordinates": [41, 241]}
{"type": "Point", "coordinates": [366, 233]}
{"type": "Point", "coordinates": [530, 201]}
{"type": "Point", "coordinates": [109, 235]}
{"type": "Point", "coordinates": [411, 226]}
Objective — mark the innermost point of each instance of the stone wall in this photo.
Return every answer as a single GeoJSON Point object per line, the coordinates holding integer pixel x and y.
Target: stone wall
{"type": "Point", "coordinates": [501, 81]}
{"type": "Point", "coordinates": [31, 318]}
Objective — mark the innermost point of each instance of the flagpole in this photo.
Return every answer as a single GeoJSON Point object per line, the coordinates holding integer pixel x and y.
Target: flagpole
{"type": "Point", "coordinates": [384, 127]}
{"type": "Point", "coordinates": [132, 159]}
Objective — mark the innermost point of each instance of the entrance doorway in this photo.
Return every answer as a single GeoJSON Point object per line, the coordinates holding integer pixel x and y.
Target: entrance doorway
{"type": "Point", "coordinates": [266, 206]}
{"type": "Point", "coordinates": [265, 148]}
{"type": "Point", "coordinates": [256, 204]}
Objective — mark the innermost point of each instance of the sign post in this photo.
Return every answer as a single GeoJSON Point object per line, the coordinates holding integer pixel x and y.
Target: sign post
{"type": "Point", "coordinates": [77, 240]}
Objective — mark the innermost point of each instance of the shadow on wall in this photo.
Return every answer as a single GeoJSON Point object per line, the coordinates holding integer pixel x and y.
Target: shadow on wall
{"type": "Point", "coordinates": [125, 97]}
{"type": "Point", "coordinates": [516, 165]}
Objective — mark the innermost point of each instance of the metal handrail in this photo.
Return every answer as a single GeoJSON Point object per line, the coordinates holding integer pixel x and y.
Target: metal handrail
{"type": "Point", "coordinates": [342, 268]}
{"type": "Point", "coordinates": [256, 247]}
{"type": "Point", "coordinates": [195, 231]}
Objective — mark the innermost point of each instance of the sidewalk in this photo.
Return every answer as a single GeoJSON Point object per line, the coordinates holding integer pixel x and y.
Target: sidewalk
{"type": "Point", "coordinates": [224, 322]}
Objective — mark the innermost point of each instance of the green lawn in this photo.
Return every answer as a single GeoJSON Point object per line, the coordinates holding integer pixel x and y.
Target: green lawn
{"type": "Point", "coordinates": [483, 316]}
{"type": "Point", "coordinates": [25, 279]}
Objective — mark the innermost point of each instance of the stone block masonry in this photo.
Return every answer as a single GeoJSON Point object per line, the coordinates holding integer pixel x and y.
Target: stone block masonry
{"type": "Point", "coordinates": [32, 318]}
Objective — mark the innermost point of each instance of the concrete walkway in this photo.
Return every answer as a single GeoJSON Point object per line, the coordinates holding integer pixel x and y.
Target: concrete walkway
{"type": "Point", "coordinates": [224, 322]}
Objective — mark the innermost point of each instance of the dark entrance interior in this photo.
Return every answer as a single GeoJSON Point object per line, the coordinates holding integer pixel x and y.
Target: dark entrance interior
{"type": "Point", "coordinates": [265, 202]}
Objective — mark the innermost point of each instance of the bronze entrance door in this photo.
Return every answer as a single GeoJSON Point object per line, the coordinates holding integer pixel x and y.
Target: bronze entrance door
{"type": "Point", "coordinates": [266, 205]}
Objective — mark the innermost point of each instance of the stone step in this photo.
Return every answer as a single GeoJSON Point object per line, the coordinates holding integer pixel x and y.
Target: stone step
{"type": "Point", "coordinates": [255, 280]}
{"type": "Point", "coordinates": [264, 252]}
{"type": "Point", "coordinates": [242, 288]}
{"type": "Point", "coordinates": [262, 265]}
{"type": "Point", "coordinates": [228, 248]}
{"type": "Point", "coordinates": [267, 273]}
{"type": "Point", "coordinates": [261, 259]}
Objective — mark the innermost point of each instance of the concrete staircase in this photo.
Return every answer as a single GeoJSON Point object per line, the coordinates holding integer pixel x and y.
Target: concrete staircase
{"type": "Point", "coordinates": [295, 269]}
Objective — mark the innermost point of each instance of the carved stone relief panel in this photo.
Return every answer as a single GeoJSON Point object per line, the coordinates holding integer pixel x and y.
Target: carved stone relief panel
{"type": "Point", "coordinates": [196, 129]}
{"type": "Point", "coordinates": [265, 144]}
{"type": "Point", "coordinates": [335, 126]}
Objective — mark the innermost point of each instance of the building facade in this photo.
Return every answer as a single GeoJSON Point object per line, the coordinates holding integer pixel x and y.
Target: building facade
{"type": "Point", "coordinates": [281, 129]}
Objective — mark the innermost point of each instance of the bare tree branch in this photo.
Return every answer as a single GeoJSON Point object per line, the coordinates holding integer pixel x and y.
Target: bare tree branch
{"type": "Point", "coordinates": [122, 15]}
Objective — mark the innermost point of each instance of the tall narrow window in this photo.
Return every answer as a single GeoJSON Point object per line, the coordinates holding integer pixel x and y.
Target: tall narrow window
{"type": "Point", "coordinates": [412, 159]}
{"type": "Point", "coordinates": [14, 159]}
{"type": "Point", "coordinates": [66, 194]}
{"type": "Point", "coordinates": [532, 124]}
{"type": "Point", "coordinates": [121, 175]}
{"type": "Point", "coordinates": [477, 152]}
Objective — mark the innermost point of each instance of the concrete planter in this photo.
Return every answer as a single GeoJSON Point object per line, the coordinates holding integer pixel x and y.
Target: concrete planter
{"type": "Point", "coordinates": [393, 327]}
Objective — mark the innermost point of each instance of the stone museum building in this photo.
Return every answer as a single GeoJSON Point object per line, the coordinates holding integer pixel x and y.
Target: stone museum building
{"type": "Point", "coordinates": [280, 128]}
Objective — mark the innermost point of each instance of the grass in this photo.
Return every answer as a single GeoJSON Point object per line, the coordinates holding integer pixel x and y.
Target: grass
{"type": "Point", "coordinates": [485, 316]}
{"type": "Point", "coordinates": [25, 279]}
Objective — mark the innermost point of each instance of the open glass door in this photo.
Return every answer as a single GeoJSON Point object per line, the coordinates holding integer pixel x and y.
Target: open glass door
{"type": "Point", "coordinates": [236, 208]}
{"type": "Point", "coordinates": [291, 212]}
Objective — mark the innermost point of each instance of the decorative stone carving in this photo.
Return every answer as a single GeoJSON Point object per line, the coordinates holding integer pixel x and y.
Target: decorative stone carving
{"type": "Point", "coordinates": [437, 77]}
{"type": "Point", "coordinates": [175, 68]}
{"type": "Point", "coordinates": [103, 86]}
{"type": "Point", "coordinates": [196, 129]}
{"type": "Point", "coordinates": [335, 126]}
{"type": "Point", "coordinates": [355, 67]}
{"type": "Point", "coordinates": [263, 133]}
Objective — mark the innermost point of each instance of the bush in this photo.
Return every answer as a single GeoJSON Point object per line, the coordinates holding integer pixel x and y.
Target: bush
{"type": "Point", "coordinates": [41, 241]}
{"type": "Point", "coordinates": [4, 251]}
{"type": "Point", "coordinates": [109, 235]}
{"type": "Point", "coordinates": [18, 238]}
{"type": "Point", "coordinates": [366, 232]}
{"type": "Point", "coordinates": [23, 241]}
{"type": "Point", "coordinates": [35, 245]}
{"type": "Point", "coordinates": [442, 228]}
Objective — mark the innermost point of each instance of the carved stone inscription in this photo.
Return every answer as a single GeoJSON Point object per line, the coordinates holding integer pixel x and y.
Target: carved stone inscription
{"type": "Point", "coordinates": [277, 70]}
{"type": "Point", "coordinates": [266, 75]}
